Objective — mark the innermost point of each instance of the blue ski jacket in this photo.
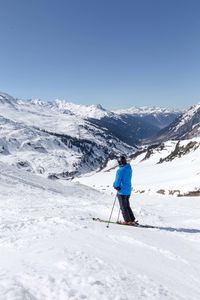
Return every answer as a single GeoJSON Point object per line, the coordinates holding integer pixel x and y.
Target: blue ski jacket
{"type": "Point", "coordinates": [123, 179]}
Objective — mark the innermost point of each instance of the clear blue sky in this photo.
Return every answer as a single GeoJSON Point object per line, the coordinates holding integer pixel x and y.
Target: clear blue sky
{"type": "Point", "coordinates": [118, 53]}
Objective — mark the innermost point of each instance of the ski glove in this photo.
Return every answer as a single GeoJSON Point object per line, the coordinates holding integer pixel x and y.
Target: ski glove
{"type": "Point", "coordinates": [118, 188]}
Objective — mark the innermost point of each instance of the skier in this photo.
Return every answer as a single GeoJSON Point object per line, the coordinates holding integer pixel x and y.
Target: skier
{"type": "Point", "coordinates": [122, 184]}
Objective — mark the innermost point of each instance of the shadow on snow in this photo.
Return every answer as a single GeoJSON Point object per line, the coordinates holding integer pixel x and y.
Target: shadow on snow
{"type": "Point", "coordinates": [185, 230]}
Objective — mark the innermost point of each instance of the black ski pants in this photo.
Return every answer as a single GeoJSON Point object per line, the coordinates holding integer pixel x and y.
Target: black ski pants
{"type": "Point", "coordinates": [125, 208]}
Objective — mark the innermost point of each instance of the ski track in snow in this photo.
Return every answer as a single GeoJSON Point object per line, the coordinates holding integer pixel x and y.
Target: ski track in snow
{"type": "Point", "coordinates": [51, 249]}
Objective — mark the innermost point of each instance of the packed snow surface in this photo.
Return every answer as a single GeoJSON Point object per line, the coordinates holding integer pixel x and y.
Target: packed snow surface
{"type": "Point", "coordinates": [50, 249]}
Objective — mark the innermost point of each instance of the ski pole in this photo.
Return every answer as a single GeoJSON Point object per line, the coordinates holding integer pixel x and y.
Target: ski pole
{"type": "Point", "coordinates": [111, 211]}
{"type": "Point", "coordinates": [118, 215]}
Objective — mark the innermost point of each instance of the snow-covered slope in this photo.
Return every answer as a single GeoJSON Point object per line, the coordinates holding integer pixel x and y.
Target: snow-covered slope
{"type": "Point", "coordinates": [169, 168]}
{"type": "Point", "coordinates": [50, 249]}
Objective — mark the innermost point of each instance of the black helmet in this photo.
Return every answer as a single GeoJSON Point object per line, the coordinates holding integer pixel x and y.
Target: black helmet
{"type": "Point", "coordinates": [122, 160]}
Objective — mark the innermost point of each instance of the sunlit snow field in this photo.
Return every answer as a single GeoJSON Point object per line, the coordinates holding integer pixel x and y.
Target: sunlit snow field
{"type": "Point", "coordinates": [51, 249]}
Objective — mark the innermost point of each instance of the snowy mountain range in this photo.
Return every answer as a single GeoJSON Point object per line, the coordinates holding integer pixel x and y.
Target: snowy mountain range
{"type": "Point", "coordinates": [145, 110]}
{"type": "Point", "coordinates": [49, 139]}
{"type": "Point", "coordinates": [61, 139]}
{"type": "Point", "coordinates": [138, 124]}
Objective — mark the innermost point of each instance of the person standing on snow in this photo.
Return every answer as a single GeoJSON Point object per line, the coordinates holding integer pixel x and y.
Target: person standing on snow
{"type": "Point", "coordinates": [122, 184]}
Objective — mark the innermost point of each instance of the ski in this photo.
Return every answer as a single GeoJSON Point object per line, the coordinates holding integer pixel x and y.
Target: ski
{"type": "Point", "coordinates": [112, 222]}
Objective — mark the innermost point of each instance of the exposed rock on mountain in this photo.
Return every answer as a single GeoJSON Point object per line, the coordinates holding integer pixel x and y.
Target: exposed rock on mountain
{"type": "Point", "coordinates": [181, 150]}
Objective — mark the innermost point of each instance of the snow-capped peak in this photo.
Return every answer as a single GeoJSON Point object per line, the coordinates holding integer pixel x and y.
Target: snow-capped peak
{"type": "Point", "coordinates": [84, 111]}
